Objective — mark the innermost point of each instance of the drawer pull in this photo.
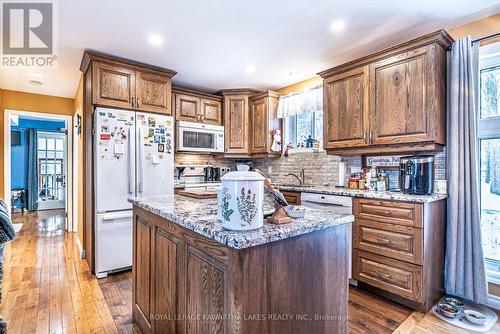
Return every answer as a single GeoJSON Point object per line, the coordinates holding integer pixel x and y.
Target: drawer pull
{"type": "Point", "coordinates": [384, 275]}
{"type": "Point", "coordinates": [384, 241]}
{"type": "Point", "coordinates": [384, 212]}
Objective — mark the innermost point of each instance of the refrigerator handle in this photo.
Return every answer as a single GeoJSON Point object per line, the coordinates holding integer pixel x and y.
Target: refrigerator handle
{"type": "Point", "coordinates": [129, 167]}
{"type": "Point", "coordinates": [140, 160]}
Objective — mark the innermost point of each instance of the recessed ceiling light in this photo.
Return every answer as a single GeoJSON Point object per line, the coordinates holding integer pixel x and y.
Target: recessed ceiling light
{"type": "Point", "coordinates": [250, 69]}
{"type": "Point", "coordinates": [337, 25]}
{"type": "Point", "coordinates": [155, 39]}
{"type": "Point", "coordinates": [36, 82]}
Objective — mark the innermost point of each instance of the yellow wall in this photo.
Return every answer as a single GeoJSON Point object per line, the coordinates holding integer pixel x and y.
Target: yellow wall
{"type": "Point", "coordinates": [480, 28]}
{"type": "Point", "coordinates": [78, 107]}
{"type": "Point", "coordinates": [28, 102]}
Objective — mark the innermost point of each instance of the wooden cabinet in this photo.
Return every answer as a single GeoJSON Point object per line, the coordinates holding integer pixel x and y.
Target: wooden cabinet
{"type": "Point", "coordinates": [154, 93]}
{"type": "Point", "coordinates": [398, 250]}
{"type": "Point", "coordinates": [249, 119]}
{"type": "Point", "coordinates": [124, 84]}
{"type": "Point", "coordinates": [237, 122]}
{"type": "Point", "coordinates": [263, 114]}
{"type": "Point", "coordinates": [114, 85]}
{"type": "Point", "coordinates": [391, 101]}
{"type": "Point", "coordinates": [292, 197]}
{"type": "Point", "coordinates": [194, 106]}
{"type": "Point", "coordinates": [183, 282]}
{"type": "Point", "coordinates": [346, 99]}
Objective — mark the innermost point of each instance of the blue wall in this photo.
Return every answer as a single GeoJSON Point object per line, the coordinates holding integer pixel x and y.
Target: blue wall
{"type": "Point", "coordinates": [19, 154]}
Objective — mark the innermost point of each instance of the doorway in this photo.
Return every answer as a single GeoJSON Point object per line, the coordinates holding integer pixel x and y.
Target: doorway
{"type": "Point", "coordinates": [38, 166]}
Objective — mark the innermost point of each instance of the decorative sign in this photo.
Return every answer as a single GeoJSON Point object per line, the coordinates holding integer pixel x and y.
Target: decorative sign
{"type": "Point", "coordinates": [384, 161]}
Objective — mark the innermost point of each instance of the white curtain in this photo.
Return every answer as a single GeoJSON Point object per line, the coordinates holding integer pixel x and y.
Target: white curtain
{"type": "Point", "coordinates": [307, 100]}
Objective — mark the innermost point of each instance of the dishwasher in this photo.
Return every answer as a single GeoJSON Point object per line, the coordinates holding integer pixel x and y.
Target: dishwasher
{"type": "Point", "coordinates": [333, 203]}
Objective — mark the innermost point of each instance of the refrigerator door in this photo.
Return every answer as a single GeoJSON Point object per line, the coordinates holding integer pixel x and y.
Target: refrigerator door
{"type": "Point", "coordinates": [155, 154]}
{"type": "Point", "coordinates": [114, 163]}
{"type": "Point", "coordinates": [113, 242]}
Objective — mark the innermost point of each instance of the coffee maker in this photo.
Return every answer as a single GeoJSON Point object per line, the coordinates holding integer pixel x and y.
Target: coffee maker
{"type": "Point", "coordinates": [416, 174]}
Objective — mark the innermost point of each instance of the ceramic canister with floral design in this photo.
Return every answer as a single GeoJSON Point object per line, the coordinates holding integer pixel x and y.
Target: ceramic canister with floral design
{"type": "Point", "coordinates": [240, 200]}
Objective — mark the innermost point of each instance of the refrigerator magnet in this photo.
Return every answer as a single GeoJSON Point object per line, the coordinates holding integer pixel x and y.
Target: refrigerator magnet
{"type": "Point", "coordinates": [157, 139]}
{"type": "Point", "coordinates": [104, 128]}
{"type": "Point", "coordinates": [105, 136]}
{"type": "Point", "coordinates": [152, 122]}
{"type": "Point", "coordinates": [148, 156]}
{"type": "Point", "coordinates": [141, 117]}
{"type": "Point", "coordinates": [168, 123]}
{"type": "Point", "coordinates": [162, 139]}
{"type": "Point", "coordinates": [160, 156]}
{"type": "Point", "coordinates": [161, 148]}
{"type": "Point", "coordinates": [110, 115]}
{"type": "Point", "coordinates": [168, 146]}
{"type": "Point", "coordinates": [151, 132]}
{"type": "Point", "coordinates": [156, 160]}
{"type": "Point", "coordinates": [101, 113]}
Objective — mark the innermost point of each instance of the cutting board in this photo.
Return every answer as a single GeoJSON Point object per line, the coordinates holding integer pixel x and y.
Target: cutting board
{"type": "Point", "coordinates": [199, 193]}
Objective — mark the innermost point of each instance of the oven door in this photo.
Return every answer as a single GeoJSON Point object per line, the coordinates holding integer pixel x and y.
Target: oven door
{"type": "Point", "coordinates": [199, 140]}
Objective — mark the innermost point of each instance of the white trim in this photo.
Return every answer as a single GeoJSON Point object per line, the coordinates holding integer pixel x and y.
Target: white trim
{"type": "Point", "coordinates": [494, 302]}
{"type": "Point", "coordinates": [80, 248]}
{"type": "Point", "coordinates": [75, 174]}
{"type": "Point", "coordinates": [69, 151]}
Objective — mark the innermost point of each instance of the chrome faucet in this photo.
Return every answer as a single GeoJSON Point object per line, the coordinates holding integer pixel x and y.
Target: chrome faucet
{"type": "Point", "coordinates": [300, 179]}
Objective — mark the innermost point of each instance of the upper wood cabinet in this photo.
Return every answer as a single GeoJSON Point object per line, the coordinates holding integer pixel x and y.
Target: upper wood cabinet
{"type": "Point", "coordinates": [236, 123]}
{"type": "Point", "coordinates": [154, 92]}
{"type": "Point", "coordinates": [126, 84]}
{"type": "Point", "coordinates": [263, 114]}
{"type": "Point", "coordinates": [391, 101]}
{"type": "Point", "coordinates": [346, 99]}
{"type": "Point", "coordinates": [194, 106]}
{"type": "Point", "coordinates": [249, 118]}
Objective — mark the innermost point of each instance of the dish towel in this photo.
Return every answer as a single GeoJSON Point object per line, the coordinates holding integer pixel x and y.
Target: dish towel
{"type": "Point", "coordinates": [7, 233]}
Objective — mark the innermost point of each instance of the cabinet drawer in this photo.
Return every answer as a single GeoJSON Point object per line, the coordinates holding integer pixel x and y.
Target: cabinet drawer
{"type": "Point", "coordinates": [400, 213]}
{"type": "Point", "coordinates": [292, 197]}
{"type": "Point", "coordinates": [401, 278]}
{"type": "Point", "coordinates": [395, 241]}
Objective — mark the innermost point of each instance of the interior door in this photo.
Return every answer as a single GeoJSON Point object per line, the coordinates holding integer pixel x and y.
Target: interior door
{"type": "Point", "coordinates": [155, 154]}
{"type": "Point", "coordinates": [114, 159]}
{"type": "Point", "coordinates": [51, 170]}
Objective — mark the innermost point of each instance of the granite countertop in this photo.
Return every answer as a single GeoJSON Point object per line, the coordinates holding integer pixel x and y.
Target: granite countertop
{"type": "Point", "coordinates": [387, 195]}
{"type": "Point", "coordinates": [200, 216]}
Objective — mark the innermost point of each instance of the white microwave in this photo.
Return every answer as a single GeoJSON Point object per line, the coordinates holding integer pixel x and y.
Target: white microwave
{"type": "Point", "coordinates": [198, 137]}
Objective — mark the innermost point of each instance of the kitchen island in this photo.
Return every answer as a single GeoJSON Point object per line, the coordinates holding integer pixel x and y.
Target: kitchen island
{"type": "Point", "coordinates": [192, 276]}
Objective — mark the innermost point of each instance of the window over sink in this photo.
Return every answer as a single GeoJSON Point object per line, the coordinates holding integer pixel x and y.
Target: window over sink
{"type": "Point", "coordinates": [302, 113]}
{"type": "Point", "coordinates": [489, 159]}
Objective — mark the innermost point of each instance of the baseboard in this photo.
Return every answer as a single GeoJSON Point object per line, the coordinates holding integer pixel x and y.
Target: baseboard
{"type": "Point", "coordinates": [80, 248]}
{"type": "Point", "coordinates": [494, 302]}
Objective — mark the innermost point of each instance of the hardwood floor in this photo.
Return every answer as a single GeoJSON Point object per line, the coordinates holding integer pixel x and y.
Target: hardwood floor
{"type": "Point", "coordinates": [48, 288]}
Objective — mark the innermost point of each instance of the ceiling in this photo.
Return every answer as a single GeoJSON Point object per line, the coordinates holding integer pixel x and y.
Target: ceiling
{"type": "Point", "coordinates": [215, 44]}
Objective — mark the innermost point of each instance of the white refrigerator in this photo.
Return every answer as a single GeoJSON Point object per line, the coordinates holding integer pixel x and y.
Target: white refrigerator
{"type": "Point", "coordinates": [133, 156]}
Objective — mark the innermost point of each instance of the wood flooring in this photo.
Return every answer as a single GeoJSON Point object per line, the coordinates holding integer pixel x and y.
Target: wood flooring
{"type": "Point", "coordinates": [47, 288]}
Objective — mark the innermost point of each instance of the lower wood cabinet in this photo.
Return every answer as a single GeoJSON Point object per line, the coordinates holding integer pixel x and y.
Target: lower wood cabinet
{"type": "Point", "coordinates": [292, 197]}
{"type": "Point", "coordinates": [398, 250]}
{"type": "Point", "coordinates": [186, 283]}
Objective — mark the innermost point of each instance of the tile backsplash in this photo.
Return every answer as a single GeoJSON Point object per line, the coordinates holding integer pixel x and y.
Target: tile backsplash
{"type": "Point", "coordinates": [320, 168]}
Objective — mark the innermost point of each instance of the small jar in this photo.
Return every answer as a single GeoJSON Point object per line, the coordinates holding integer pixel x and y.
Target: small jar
{"type": "Point", "coordinates": [354, 182]}
{"type": "Point", "coordinates": [361, 184]}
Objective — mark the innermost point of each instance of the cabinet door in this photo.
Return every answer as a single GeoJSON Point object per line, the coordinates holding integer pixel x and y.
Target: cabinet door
{"type": "Point", "coordinates": [236, 124]}
{"type": "Point", "coordinates": [187, 108]}
{"type": "Point", "coordinates": [399, 108]}
{"type": "Point", "coordinates": [211, 111]}
{"type": "Point", "coordinates": [345, 117]}
{"type": "Point", "coordinates": [259, 111]}
{"type": "Point", "coordinates": [205, 293]}
{"type": "Point", "coordinates": [142, 294]}
{"type": "Point", "coordinates": [154, 93]}
{"type": "Point", "coordinates": [114, 86]}
{"type": "Point", "coordinates": [166, 269]}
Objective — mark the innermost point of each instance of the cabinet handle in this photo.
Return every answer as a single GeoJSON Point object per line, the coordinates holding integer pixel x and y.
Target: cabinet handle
{"type": "Point", "coordinates": [383, 241]}
{"type": "Point", "coordinates": [384, 212]}
{"type": "Point", "coordinates": [384, 275]}
{"type": "Point", "coordinates": [371, 136]}
{"type": "Point", "coordinates": [137, 101]}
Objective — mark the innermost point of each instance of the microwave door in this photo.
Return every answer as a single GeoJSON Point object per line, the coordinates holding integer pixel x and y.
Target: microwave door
{"type": "Point", "coordinates": [197, 140]}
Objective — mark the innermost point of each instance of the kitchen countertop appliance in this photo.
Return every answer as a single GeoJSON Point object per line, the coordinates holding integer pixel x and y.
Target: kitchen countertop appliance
{"type": "Point", "coordinates": [133, 157]}
{"type": "Point", "coordinates": [416, 175]}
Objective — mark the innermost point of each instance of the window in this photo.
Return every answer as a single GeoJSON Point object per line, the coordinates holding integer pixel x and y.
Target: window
{"type": "Point", "coordinates": [489, 156]}
{"type": "Point", "coordinates": [50, 166]}
{"type": "Point", "coordinates": [303, 117]}
{"type": "Point", "coordinates": [299, 128]}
